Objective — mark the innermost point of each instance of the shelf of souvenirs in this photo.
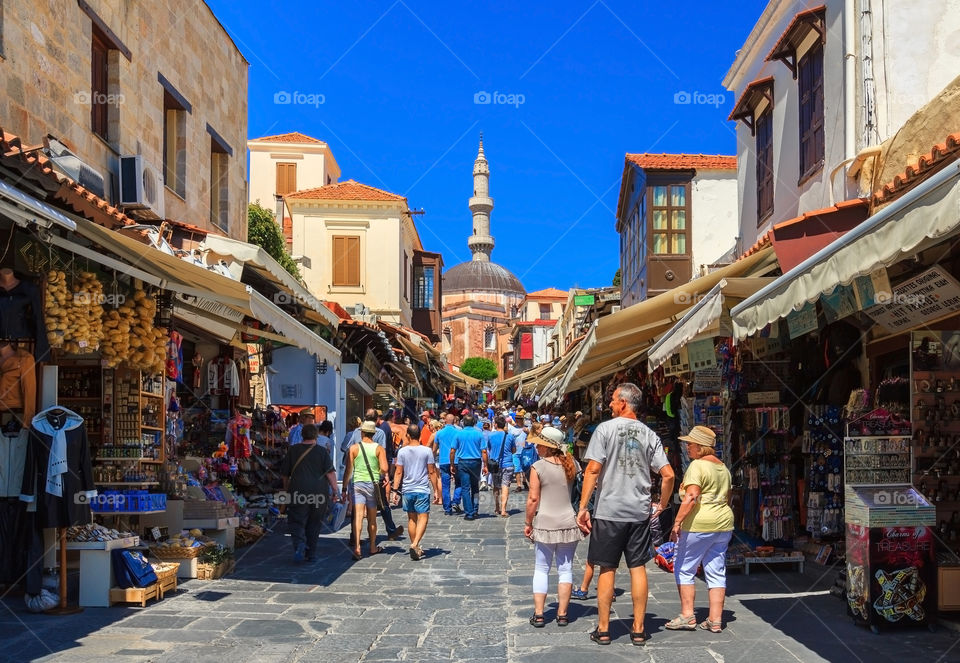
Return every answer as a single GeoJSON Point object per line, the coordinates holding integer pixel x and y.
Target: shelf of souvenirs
{"type": "Point", "coordinates": [79, 399]}
{"type": "Point", "coordinates": [150, 394]}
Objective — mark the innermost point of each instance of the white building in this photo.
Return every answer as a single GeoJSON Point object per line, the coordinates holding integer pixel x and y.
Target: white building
{"type": "Point", "coordinates": [819, 83]}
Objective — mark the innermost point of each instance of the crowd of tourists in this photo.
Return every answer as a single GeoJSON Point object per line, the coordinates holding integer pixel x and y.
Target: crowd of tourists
{"type": "Point", "coordinates": [611, 481]}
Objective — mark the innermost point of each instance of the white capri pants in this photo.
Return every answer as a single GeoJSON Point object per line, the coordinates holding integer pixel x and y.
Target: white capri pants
{"type": "Point", "coordinates": [544, 554]}
{"type": "Point", "coordinates": [707, 548]}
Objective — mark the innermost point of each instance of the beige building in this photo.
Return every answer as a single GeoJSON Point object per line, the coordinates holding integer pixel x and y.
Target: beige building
{"type": "Point", "coordinates": [359, 247]}
{"type": "Point", "coordinates": [110, 79]}
{"type": "Point", "coordinates": [480, 298]}
{"type": "Point", "coordinates": [286, 163]}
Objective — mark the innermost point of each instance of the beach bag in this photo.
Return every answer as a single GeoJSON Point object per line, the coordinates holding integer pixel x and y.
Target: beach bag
{"type": "Point", "coordinates": [131, 569]}
{"type": "Point", "coordinates": [665, 556]}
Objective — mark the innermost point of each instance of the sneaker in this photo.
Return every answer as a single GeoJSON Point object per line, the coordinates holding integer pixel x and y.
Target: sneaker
{"type": "Point", "coordinates": [299, 552]}
{"type": "Point", "coordinates": [449, 513]}
{"type": "Point", "coordinates": [457, 508]}
{"type": "Point", "coordinates": [395, 534]}
{"type": "Point", "coordinates": [578, 594]}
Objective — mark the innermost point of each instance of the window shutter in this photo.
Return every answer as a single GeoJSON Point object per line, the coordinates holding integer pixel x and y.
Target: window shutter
{"type": "Point", "coordinates": [339, 260]}
{"type": "Point", "coordinates": [286, 178]}
{"type": "Point", "coordinates": [98, 80]}
{"type": "Point", "coordinates": [353, 260]}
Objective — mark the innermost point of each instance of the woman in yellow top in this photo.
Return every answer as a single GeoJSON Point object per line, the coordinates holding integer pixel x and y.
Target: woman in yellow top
{"type": "Point", "coordinates": [702, 530]}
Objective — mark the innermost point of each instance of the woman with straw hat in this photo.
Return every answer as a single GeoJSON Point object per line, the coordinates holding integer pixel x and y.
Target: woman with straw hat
{"type": "Point", "coordinates": [702, 529]}
{"type": "Point", "coordinates": [551, 522]}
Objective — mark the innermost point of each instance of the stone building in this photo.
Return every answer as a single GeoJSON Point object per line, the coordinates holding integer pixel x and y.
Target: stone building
{"type": "Point", "coordinates": [480, 298]}
{"type": "Point", "coordinates": [97, 80]}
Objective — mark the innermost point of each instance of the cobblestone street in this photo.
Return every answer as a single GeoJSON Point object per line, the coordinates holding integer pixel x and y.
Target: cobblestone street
{"type": "Point", "coordinates": [468, 599]}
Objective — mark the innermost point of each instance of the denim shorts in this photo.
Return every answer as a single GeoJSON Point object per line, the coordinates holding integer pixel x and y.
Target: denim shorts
{"type": "Point", "coordinates": [416, 502]}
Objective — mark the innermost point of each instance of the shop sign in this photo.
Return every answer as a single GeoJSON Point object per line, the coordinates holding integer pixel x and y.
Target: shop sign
{"type": "Point", "coordinates": [253, 359]}
{"type": "Point", "coordinates": [584, 300]}
{"type": "Point", "coordinates": [803, 321]}
{"type": "Point", "coordinates": [678, 363]}
{"type": "Point", "coordinates": [701, 354]}
{"type": "Point", "coordinates": [707, 380]}
{"type": "Point", "coordinates": [865, 288]}
{"type": "Point", "coordinates": [931, 295]}
{"type": "Point", "coordinates": [839, 304]}
{"type": "Point", "coordinates": [370, 368]}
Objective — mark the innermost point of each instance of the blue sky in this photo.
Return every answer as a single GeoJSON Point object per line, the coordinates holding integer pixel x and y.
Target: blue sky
{"type": "Point", "coordinates": [578, 85]}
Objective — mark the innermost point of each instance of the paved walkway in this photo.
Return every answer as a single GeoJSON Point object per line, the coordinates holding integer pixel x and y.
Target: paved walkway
{"type": "Point", "coordinates": [469, 599]}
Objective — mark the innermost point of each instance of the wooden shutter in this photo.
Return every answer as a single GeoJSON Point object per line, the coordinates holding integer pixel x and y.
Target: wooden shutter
{"type": "Point", "coordinates": [346, 261]}
{"type": "Point", "coordinates": [764, 137]}
{"type": "Point", "coordinates": [811, 110]}
{"type": "Point", "coordinates": [286, 178]}
{"type": "Point", "coordinates": [98, 87]}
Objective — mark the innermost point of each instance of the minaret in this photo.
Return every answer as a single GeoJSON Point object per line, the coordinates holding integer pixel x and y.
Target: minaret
{"type": "Point", "coordinates": [481, 204]}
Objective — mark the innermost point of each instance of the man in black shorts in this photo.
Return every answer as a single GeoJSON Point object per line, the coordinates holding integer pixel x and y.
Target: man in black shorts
{"type": "Point", "coordinates": [621, 455]}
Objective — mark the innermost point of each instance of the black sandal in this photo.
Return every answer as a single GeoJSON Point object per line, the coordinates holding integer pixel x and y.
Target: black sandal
{"type": "Point", "coordinates": [600, 637]}
{"type": "Point", "coordinates": [537, 621]}
{"type": "Point", "coordinates": [639, 639]}
{"type": "Point", "coordinates": [562, 620]}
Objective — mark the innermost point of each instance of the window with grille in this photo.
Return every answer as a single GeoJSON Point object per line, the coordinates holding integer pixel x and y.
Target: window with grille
{"type": "Point", "coordinates": [219, 192]}
{"type": "Point", "coordinates": [546, 312]}
{"type": "Point", "coordinates": [764, 138]}
{"type": "Point", "coordinates": [489, 339]}
{"type": "Point", "coordinates": [810, 84]}
{"type": "Point", "coordinates": [346, 261]}
{"type": "Point", "coordinates": [423, 287]}
{"type": "Point", "coordinates": [669, 218]}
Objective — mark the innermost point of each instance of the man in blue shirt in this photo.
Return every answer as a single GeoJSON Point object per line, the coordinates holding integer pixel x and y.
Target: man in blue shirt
{"type": "Point", "coordinates": [499, 448]}
{"type": "Point", "coordinates": [467, 459]}
{"type": "Point", "coordinates": [443, 442]}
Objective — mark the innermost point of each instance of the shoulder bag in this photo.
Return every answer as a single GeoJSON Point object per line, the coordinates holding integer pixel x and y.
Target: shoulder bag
{"type": "Point", "coordinates": [493, 466]}
{"type": "Point", "coordinates": [377, 484]}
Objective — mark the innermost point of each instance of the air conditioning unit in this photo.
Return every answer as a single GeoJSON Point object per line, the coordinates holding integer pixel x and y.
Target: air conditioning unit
{"type": "Point", "coordinates": [70, 165]}
{"type": "Point", "coordinates": [141, 188]}
{"type": "Point", "coordinates": [614, 309]}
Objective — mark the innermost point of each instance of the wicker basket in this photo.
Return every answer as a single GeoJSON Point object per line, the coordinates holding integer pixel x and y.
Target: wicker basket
{"type": "Point", "coordinates": [214, 571]}
{"type": "Point", "coordinates": [176, 552]}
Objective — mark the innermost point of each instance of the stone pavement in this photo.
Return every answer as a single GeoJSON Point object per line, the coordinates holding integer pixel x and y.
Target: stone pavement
{"type": "Point", "coordinates": [469, 599]}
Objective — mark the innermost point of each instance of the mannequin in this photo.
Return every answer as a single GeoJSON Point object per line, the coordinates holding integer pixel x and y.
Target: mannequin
{"type": "Point", "coordinates": [238, 435]}
{"type": "Point", "coordinates": [21, 313]}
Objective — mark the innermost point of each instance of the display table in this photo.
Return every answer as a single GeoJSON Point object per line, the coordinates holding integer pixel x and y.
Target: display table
{"type": "Point", "coordinates": [773, 559]}
{"type": "Point", "coordinates": [96, 571]}
{"type": "Point", "coordinates": [221, 530]}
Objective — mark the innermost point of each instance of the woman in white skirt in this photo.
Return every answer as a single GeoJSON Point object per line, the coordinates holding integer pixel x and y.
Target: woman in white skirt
{"type": "Point", "coordinates": [551, 522]}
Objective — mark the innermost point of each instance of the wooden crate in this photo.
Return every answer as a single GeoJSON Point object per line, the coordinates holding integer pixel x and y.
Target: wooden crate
{"type": "Point", "coordinates": [166, 576]}
{"type": "Point", "coordinates": [211, 572]}
{"type": "Point", "coordinates": [136, 594]}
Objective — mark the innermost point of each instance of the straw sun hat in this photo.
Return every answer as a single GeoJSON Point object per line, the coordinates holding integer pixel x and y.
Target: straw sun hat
{"type": "Point", "coordinates": [700, 435]}
{"type": "Point", "coordinates": [549, 437]}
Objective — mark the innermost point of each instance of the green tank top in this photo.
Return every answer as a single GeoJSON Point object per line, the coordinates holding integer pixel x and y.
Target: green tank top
{"type": "Point", "coordinates": [360, 472]}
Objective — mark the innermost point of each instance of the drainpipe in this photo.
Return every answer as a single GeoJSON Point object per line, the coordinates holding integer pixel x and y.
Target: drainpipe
{"type": "Point", "coordinates": [866, 73]}
{"type": "Point", "coordinates": [849, 80]}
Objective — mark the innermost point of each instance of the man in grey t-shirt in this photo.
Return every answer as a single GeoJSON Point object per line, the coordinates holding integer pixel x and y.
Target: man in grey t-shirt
{"type": "Point", "coordinates": [620, 458]}
{"type": "Point", "coordinates": [417, 471]}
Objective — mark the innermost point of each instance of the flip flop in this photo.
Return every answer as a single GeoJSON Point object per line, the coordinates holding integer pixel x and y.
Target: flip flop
{"type": "Point", "coordinates": [376, 551]}
{"type": "Point", "coordinates": [356, 555]}
{"type": "Point", "coordinates": [639, 639]}
{"type": "Point", "coordinates": [600, 637]}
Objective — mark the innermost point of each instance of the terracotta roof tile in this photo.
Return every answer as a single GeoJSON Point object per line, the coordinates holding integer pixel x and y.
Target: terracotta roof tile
{"type": "Point", "coordinates": [683, 161]}
{"type": "Point", "coordinates": [292, 137]}
{"type": "Point", "coordinates": [940, 155]}
{"type": "Point", "coordinates": [548, 292]}
{"type": "Point", "coordinates": [337, 310]}
{"type": "Point", "coordinates": [349, 190]}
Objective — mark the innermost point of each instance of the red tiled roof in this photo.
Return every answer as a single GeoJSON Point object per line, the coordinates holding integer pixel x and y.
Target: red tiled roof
{"type": "Point", "coordinates": [767, 238]}
{"type": "Point", "coordinates": [683, 161]}
{"type": "Point", "coordinates": [548, 292]}
{"type": "Point", "coordinates": [940, 155]}
{"type": "Point", "coordinates": [338, 310]}
{"type": "Point", "coordinates": [349, 190]}
{"type": "Point", "coordinates": [537, 323]}
{"type": "Point", "coordinates": [292, 137]}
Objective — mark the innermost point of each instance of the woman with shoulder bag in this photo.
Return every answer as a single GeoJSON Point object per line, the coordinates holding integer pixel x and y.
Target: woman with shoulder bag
{"type": "Point", "coordinates": [366, 466]}
{"type": "Point", "coordinates": [702, 530]}
{"type": "Point", "coordinates": [551, 522]}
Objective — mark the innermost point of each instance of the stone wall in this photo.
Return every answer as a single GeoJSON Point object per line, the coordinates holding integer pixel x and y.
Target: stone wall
{"type": "Point", "coordinates": [45, 75]}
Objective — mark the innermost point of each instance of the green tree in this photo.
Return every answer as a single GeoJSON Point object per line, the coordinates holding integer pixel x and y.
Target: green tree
{"type": "Point", "coordinates": [480, 368]}
{"type": "Point", "coordinates": [616, 279]}
{"type": "Point", "coordinates": [264, 231]}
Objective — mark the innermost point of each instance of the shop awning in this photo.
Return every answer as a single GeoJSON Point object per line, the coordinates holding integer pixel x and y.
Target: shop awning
{"type": "Point", "coordinates": [923, 217]}
{"type": "Point", "coordinates": [264, 264]}
{"type": "Point", "coordinates": [266, 311]}
{"type": "Point", "coordinates": [528, 380]}
{"type": "Point", "coordinates": [24, 209]}
{"type": "Point", "coordinates": [618, 339]}
{"type": "Point", "coordinates": [710, 314]}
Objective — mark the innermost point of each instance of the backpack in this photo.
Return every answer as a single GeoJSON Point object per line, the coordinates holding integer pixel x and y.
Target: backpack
{"type": "Point", "coordinates": [528, 456]}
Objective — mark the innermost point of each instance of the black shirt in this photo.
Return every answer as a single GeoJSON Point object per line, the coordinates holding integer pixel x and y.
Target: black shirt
{"type": "Point", "coordinates": [310, 476]}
